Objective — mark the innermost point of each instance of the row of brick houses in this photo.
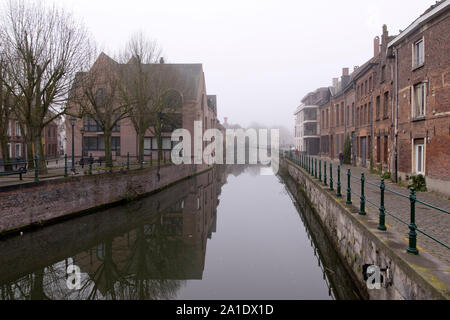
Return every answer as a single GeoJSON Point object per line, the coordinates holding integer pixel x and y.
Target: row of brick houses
{"type": "Point", "coordinates": [17, 146]}
{"type": "Point", "coordinates": [395, 109]}
{"type": "Point", "coordinates": [197, 106]}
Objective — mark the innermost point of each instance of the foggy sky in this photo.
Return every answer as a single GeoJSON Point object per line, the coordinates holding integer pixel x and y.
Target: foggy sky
{"type": "Point", "coordinates": [259, 57]}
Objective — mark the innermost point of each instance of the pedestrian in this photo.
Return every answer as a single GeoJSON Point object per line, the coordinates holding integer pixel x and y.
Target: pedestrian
{"type": "Point", "coordinates": [341, 158]}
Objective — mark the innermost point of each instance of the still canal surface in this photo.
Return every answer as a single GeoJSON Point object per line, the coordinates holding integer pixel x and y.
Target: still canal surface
{"type": "Point", "coordinates": [231, 233]}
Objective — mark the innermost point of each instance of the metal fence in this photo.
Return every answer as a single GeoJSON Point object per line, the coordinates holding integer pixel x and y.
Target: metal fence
{"type": "Point", "coordinates": [313, 167]}
{"type": "Point", "coordinates": [68, 165]}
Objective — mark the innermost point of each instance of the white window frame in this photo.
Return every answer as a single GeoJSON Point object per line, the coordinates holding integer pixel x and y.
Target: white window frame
{"type": "Point", "coordinates": [416, 147]}
{"type": "Point", "coordinates": [18, 132]}
{"type": "Point", "coordinates": [18, 154]}
{"type": "Point", "coordinates": [414, 102]}
{"type": "Point", "coordinates": [415, 62]}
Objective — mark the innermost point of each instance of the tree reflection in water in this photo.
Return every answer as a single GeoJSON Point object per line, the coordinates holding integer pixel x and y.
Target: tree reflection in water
{"type": "Point", "coordinates": [163, 246]}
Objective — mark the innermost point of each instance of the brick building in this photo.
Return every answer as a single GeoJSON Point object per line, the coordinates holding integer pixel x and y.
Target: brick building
{"type": "Point", "coordinates": [17, 146]}
{"type": "Point", "coordinates": [422, 57]}
{"type": "Point", "coordinates": [197, 106]}
{"type": "Point", "coordinates": [395, 108]}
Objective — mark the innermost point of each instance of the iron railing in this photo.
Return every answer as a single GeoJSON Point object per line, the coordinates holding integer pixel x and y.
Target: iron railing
{"type": "Point", "coordinates": [309, 164]}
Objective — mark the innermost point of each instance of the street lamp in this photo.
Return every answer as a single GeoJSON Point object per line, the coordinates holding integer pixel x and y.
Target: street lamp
{"type": "Point", "coordinates": [72, 122]}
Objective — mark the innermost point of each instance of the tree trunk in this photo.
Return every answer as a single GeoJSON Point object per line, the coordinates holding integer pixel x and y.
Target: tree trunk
{"type": "Point", "coordinates": [141, 138]}
{"type": "Point", "coordinates": [5, 153]}
{"type": "Point", "coordinates": [159, 150]}
{"type": "Point", "coordinates": [108, 151]}
{"type": "Point", "coordinates": [39, 152]}
{"type": "Point", "coordinates": [30, 153]}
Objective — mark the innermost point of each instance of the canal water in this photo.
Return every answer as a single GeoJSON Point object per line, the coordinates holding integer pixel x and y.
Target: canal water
{"type": "Point", "coordinates": [231, 233]}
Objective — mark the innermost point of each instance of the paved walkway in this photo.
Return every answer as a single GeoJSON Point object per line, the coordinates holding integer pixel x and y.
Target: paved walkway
{"type": "Point", "coordinates": [429, 220]}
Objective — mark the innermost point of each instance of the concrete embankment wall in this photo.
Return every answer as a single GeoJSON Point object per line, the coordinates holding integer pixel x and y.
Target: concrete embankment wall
{"type": "Point", "coordinates": [38, 203]}
{"type": "Point", "coordinates": [358, 242]}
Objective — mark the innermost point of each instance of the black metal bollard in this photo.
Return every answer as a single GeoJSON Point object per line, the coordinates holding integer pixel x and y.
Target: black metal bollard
{"type": "Point", "coordinates": [381, 225]}
{"type": "Point", "coordinates": [349, 190]}
{"type": "Point", "coordinates": [412, 249]}
{"type": "Point", "coordinates": [362, 206]}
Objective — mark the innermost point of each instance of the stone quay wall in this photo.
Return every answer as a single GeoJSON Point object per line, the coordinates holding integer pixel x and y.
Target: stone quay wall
{"type": "Point", "coordinates": [358, 242]}
{"type": "Point", "coordinates": [38, 203]}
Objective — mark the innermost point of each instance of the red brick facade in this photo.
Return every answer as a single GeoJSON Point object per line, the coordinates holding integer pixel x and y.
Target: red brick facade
{"type": "Point", "coordinates": [396, 107]}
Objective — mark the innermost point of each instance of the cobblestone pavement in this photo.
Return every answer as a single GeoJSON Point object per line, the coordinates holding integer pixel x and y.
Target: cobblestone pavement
{"type": "Point", "coordinates": [429, 220]}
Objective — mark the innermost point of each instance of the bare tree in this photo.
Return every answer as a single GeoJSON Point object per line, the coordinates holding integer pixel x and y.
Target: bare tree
{"type": "Point", "coordinates": [44, 47]}
{"type": "Point", "coordinates": [5, 112]}
{"type": "Point", "coordinates": [96, 98]}
{"type": "Point", "coordinates": [136, 79]}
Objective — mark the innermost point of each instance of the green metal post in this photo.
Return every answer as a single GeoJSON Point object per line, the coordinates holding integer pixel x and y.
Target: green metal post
{"type": "Point", "coordinates": [338, 192]}
{"type": "Point", "coordinates": [362, 208]}
{"type": "Point", "coordinates": [325, 173]}
{"type": "Point", "coordinates": [315, 168]}
{"type": "Point", "coordinates": [320, 170]}
{"type": "Point", "coordinates": [349, 190]}
{"type": "Point", "coordinates": [381, 225]}
{"type": "Point", "coordinates": [36, 169]}
{"type": "Point", "coordinates": [412, 249]}
{"type": "Point", "coordinates": [331, 177]}
{"type": "Point", "coordinates": [65, 166]}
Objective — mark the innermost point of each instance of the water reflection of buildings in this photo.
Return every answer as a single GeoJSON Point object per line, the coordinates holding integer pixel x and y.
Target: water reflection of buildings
{"type": "Point", "coordinates": [143, 250]}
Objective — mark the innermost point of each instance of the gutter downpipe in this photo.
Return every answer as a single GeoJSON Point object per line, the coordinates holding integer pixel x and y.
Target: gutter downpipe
{"type": "Point", "coordinates": [396, 118]}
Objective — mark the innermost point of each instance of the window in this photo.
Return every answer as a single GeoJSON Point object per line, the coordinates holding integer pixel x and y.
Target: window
{"type": "Point", "coordinates": [378, 149]}
{"type": "Point", "coordinates": [378, 105]}
{"type": "Point", "coordinates": [10, 150]}
{"type": "Point", "coordinates": [383, 73]}
{"type": "Point", "coordinates": [419, 150]}
{"type": "Point", "coordinates": [115, 144]}
{"type": "Point", "coordinates": [100, 97]}
{"type": "Point", "coordinates": [336, 110]}
{"type": "Point", "coordinates": [419, 100]}
{"type": "Point", "coordinates": [342, 113]}
{"type": "Point", "coordinates": [90, 125]}
{"type": "Point", "coordinates": [418, 54]}
{"type": "Point", "coordinates": [18, 150]}
{"type": "Point", "coordinates": [18, 133]}
{"type": "Point", "coordinates": [327, 118]}
{"type": "Point", "coordinates": [166, 143]}
{"type": "Point", "coordinates": [386, 105]}
{"type": "Point", "coordinates": [9, 129]}
{"type": "Point", "coordinates": [353, 114]}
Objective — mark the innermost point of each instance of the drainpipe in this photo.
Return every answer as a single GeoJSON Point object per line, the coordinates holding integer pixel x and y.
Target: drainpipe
{"type": "Point", "coordinates": [396, 119]}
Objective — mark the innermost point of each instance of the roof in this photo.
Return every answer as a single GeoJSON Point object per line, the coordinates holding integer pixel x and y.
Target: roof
{"type": "Point", "coordinates": [431, 12]}
{"type": "Point", "coordinates": [183, 77]}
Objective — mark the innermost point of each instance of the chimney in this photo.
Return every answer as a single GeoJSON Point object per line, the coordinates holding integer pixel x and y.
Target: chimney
{"type": "Point", "coordinates": [161, 60]}
{"type": "Point", "coordinates": [385, 36]}
{"type": "Point", "coordinates": [335, 82]}
{"type": "Point", "coordinates": [376, 46]}
{"type": "Point", "coordinates": [345, 79]}
{"type": "Point", "coordinates": [355, 68]}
